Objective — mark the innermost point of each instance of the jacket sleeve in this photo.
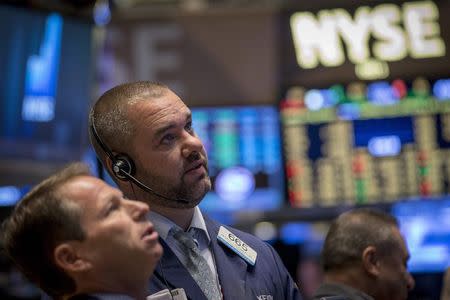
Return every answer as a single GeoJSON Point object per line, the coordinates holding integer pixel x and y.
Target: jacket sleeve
{"type": "Point", "coordinates": [290, 290]}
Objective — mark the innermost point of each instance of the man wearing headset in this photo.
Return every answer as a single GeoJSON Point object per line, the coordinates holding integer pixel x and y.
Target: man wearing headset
{"type": "Point", "coordinates": [142, 132]}
{"type": "Point", "coordinates": [78, 238]}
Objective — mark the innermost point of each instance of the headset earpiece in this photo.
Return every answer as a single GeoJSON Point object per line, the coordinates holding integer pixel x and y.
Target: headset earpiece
{"type": "Point", "coordinates": [123, 164]}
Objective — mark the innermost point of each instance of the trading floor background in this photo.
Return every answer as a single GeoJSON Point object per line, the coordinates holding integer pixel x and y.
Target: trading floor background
{"type": "Point", "coordinates": [306, 110]}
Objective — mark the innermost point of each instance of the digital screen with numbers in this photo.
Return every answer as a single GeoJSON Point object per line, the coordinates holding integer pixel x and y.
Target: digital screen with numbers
{"type": "Point", "coordinates": [379, 141]}
{"type": "Point", "coordinates": [244, 153]}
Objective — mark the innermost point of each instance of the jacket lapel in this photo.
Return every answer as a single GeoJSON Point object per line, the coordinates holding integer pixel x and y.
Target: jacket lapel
{"type": "Point", "coordinates": [231, 268]}
{"type": "Point", "coordinates": [170, 269]}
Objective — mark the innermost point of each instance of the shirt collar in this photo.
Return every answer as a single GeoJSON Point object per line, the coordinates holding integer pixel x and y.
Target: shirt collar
{"type": "Point", "coordinates": [163, 224]}
{"type": "Point", "coordinates": [199, 222]}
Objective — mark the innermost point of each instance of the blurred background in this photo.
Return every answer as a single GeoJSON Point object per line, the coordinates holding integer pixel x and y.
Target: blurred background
{"type": "Point", "coordinates": [306, 109]}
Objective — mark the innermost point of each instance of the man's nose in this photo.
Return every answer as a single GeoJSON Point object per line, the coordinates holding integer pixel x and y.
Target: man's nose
{"type": "Point", "coordinates": [192, 145]}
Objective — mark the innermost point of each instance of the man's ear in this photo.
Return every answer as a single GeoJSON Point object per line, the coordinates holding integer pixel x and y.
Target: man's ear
{"type": "Point", "coordinates": [109, 164]}
{"type": "Point", "coordinates": [67, 258]}
{"type": "Point", "coordinates": [371, 261]}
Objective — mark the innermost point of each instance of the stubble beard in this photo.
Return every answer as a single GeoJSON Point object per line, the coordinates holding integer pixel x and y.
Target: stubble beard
{"type": "Point", "coordinates": [192, 195]}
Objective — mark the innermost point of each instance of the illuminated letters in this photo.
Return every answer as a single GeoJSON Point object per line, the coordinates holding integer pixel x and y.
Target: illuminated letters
{"type": "Point", "coordinates": [316, 40]}
{"type": "Point", "coordinates": [424, 33]}
{"type": "Point", "coordinates": [355, 34]}
{"type": "Point", "coordinates": [320, 40]}
{"type": "Point", "coordinates": [391, 44]}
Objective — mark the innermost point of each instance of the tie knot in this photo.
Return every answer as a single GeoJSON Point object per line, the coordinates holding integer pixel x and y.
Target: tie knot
{"type": "Point", "coordinates": [184, 238]}
{"type": "Point", "coordinates": [196, 264]}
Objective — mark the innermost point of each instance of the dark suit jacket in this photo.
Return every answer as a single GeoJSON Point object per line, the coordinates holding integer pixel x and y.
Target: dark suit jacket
{"type": "Point", "coordinates": [336, 291]}
{"type": "Point", "coordinates": [102, 297]}
{"type": "Point", "coordinates": [83, 297]}
{"type": "Point", "coordinates": [239, 280]}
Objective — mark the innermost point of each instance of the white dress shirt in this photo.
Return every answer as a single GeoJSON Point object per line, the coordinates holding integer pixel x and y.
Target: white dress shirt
{"type": "Point", "coordinates": [200, 235]}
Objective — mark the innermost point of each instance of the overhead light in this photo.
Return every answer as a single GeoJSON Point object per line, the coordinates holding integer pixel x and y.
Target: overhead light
{"type": "Point", "coordinates": [102, 12]}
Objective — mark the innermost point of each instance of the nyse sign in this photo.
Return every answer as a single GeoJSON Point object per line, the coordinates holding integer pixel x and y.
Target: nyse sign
{"type": "Point", "coordinates": [384, 33]}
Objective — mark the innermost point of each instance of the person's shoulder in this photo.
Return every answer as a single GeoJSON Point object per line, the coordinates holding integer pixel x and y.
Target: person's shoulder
{"type": "Point", "coordinates": [101, 296]}
{"type": "Point", "coordinates": [330, 298]}
{"type": "Point", "coordinates": [338, 291]}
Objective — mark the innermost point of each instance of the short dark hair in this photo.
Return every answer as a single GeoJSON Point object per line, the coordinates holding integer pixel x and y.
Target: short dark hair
{"type": "Point", "coordinates": [354, 231]}
{"type": "Point", "coordinates": [42, 219]}
{"type": "Point", "coordinates": [110, 116]}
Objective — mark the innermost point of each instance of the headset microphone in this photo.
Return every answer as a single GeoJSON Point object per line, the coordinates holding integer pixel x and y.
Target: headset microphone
{"type": "Point", "coordinates": [148, 189]}
{"type": "Point", "coordinates": [123, 166]}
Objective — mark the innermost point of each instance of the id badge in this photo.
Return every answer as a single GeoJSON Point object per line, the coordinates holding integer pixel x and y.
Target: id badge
{"type": "Point", "coordinates": [177, 294]}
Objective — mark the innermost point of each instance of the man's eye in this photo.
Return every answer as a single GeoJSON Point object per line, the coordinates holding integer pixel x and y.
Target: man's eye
{"type": "Point", "coordinates": [189, 127]}
{"type": "Point", "coordinates": [168, 138]}
{"type": "Point", "coordinates": [112, 208]}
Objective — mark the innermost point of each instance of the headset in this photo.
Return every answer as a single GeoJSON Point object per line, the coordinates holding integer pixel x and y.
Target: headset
{"type": "Point", "coordinates": [123, 166]}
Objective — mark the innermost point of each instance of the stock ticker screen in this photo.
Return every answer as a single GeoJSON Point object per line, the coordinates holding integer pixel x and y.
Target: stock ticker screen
{"type": "Point", "coordinates": [244, 152]}
{"type": "Point", "coordinates": [360, 143]}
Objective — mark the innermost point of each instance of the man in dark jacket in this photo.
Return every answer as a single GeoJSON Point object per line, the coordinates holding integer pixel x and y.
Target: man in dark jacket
{"type": "Point", "coordinates": [365, 257]}
{"type": "Point", "coordinates": [143, 134]}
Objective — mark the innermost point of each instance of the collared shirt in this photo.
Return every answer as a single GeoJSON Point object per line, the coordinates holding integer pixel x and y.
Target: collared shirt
{"type": "Point", "coordinates": [200, 235]}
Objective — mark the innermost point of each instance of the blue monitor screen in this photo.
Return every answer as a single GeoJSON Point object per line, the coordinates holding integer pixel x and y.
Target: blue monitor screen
{"type": "Point", "coordinates": [426, 228]}
{"type": "Point", "coordinates": [45, 63]}
{"type": "Point", "coordinates": [244, 152]}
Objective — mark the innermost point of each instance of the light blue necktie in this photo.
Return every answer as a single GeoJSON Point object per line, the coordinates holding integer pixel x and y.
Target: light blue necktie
{"type": "Point", "coordinates": [197, 265]}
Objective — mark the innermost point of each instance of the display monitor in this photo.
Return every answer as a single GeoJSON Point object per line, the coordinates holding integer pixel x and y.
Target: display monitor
{"type": "Point", "coordinates": [45, 87]}
{"type": "Point", "coordinates": [244, 151]}
{"type": "Point", "coordinates": [45, 68]}
{"type": "Point", "coordinates": [426, 228]}
{"type": "Point", "coordinates": [367, 142]}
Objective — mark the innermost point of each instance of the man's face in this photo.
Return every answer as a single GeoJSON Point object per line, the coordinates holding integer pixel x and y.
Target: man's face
{"type": "Point", "coordinates": [395, 280]}
{"type": "Point", "coordinates": [119, 237]}
{"type": "Point", "coordinates": [169, 156]}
